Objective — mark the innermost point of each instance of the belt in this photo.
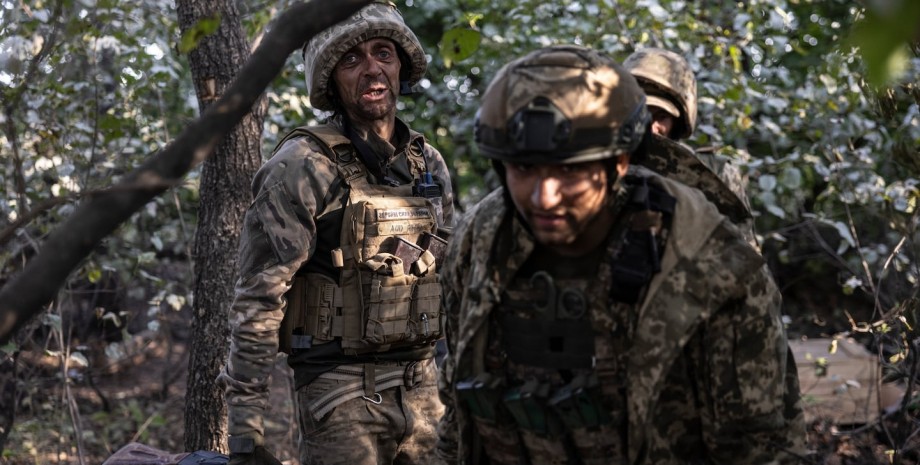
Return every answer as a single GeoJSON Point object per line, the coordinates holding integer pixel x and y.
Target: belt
{"type": "Point", "coordinates": [366, 381]}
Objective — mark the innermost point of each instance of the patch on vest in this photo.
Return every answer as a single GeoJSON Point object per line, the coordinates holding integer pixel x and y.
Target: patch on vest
{"type": "Point", "coordinates": [388, 214]}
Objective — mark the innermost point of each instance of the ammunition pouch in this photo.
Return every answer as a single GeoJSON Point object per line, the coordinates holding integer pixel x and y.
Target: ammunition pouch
{"type": "Point", "coordinates": [528, 405]}
{"type": "Point", "coordinates": [387, 293]}
{"type": "Point", "coordinates": [482, 396]}
{"type": "Point", "coordinates": [578, 404]}
{"type": "Point", "coordinates": [570, 425]}
{"type": "Point", "coordinates": [387, 296]}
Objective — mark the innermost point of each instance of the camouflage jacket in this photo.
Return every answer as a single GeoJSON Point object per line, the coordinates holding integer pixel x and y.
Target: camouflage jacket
{"type": "Point", "coordinates": [708, 366]}
{"type": "Point", "coordinates": [279, 236]}
{"type": "Point", "coordinates": [720, 180]}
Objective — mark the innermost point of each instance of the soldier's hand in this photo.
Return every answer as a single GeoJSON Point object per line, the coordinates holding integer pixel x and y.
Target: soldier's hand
{"type": "Point", "coordinates": [259, 456]}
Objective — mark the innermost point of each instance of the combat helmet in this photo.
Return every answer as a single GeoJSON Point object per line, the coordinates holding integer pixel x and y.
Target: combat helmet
{"type": "Point", "coordinates": [668, 80]}
{"type": "Point", "coordinates": [561, 104]}
{"type": "Point", "coordinates": [379, 19]}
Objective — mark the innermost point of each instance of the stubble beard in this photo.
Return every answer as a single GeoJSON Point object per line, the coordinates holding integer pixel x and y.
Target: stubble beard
{"type": "Point", "coordinates": [374, 111]}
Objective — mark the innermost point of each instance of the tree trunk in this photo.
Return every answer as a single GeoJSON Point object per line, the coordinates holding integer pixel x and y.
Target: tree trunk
{"type": "Point", "coordinates": [224, 196]}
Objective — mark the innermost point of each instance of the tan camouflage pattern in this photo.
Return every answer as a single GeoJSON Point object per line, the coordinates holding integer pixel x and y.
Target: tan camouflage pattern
{"type": "Point", "coordinates": [398, 429]}
{"type": "Point", "coordinates": [594, 94]}
{"type": "Point", "coordinates": [278, 236]}
{"type": "Point", "coordinates": [722, 183]}
{"type": "Point", "coordinates": [665, 72]}
{"type": "Point", "coordinates": [721, 335]}
{"type": "Point", "coordinates": [730, 174]}
{"type": "Point", "coordinates": [323, 51]}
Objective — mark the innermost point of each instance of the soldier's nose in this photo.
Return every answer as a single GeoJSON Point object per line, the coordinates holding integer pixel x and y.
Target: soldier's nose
{"type": "Point", "coordinates": [546, 193]}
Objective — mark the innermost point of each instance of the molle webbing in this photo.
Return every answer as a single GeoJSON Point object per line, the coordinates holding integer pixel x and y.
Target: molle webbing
{"type": "Point", "coordinates": [382, 299]}
{"type": "Point", "coordinates": [392, 311]}
{"type": "Point", "coordinates": [372, 225]}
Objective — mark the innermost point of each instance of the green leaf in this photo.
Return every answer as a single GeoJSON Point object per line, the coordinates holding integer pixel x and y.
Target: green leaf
{"type": "Point", "coordinates": [735, 53]}
{"type": "Point", "coordinates": [458, 44]}
{"type": "Point", "coordinates": [194, 35]}
{"type": "Point", "coordinates": [883, 37]}
{"type": "Point", "coordinates": [791, 178]}
{"type": "Point", "coordinates": [10, 348]}
{"type": "Point", "coordinates": [471, 18]}
{"type": "Point", "coordinates": [94, 274]}
{"type": "Point", "coordinates": [821, 367]}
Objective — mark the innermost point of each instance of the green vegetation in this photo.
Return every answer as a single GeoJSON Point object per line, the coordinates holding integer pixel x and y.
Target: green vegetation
{"type": "Point", "coordinates": [817, 101]}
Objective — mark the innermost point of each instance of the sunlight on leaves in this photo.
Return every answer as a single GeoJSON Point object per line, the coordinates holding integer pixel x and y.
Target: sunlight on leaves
{"type": "Point", "coordinates": [458, 44]}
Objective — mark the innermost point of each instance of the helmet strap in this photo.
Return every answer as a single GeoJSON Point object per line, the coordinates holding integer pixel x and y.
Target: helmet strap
{"type": "Point", "coordinates": [405, 88]}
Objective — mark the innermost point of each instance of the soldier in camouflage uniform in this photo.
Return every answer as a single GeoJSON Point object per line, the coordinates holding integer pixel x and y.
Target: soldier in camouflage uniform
{"type": "Point", "coordinates": [670, 87]}
{"type": "Point", "coordinates": [598, 312]}
{"type": "Point", "coordinates": [339, 257]}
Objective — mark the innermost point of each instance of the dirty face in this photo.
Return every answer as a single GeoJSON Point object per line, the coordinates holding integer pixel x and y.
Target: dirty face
{"type": "Point", "coordinates": [662, 121]}
{"type": "Point", "coordinates": [367, 80]}
{"type": "Point", "coordinates": [564, 205]}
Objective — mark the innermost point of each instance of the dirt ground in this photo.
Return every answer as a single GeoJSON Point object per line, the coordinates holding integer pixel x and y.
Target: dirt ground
{"type": "Point", "coordinates": [98, 410]}
{"type": "Point", "coordinates": [141, 399]}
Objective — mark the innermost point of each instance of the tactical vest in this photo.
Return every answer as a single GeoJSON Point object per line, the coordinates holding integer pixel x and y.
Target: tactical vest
{"type": "Point", "coordinates": [554, 386]}
{"type": "Point", "coordinates": [387, 293]}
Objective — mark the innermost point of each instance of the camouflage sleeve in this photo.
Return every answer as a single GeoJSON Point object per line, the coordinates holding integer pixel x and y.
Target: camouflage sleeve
{"type": "Point", "coordinates": [729, 172]}
{"type": "Point", "coordinates": [277, 238]}
{"type": "Point", "coordinates": [741, 363]}
{"type": "Point", "coordinates": [439, 170]}
{"type": "Point", "coordinates": [453, 283]}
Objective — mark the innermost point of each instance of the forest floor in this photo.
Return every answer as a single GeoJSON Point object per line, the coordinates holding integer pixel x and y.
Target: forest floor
{"type": "Point", "coordinates": [104, 406]}
{"type": "Point", "coordinates": [143, 401]}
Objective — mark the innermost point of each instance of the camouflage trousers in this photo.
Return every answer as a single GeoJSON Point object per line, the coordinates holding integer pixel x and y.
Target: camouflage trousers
{"type": "Point", "coordinates": [394, 426]}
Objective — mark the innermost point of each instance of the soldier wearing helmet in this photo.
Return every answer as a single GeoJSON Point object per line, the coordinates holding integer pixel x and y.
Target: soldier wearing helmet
{"type": "Point", "coordinates": [597, 312]}
{"type": "Point", "coordinates": [339, 262]}
{"type": "Point", "coordinates": [669, 83]}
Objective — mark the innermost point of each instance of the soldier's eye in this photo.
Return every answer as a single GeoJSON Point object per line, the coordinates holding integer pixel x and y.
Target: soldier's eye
{"type": "Point", "coordinates": [519, 167]}
{"type": "Point", "coordinates": [348, 59]}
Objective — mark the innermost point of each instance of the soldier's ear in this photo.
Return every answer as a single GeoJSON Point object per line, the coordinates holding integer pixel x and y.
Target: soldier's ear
{"type": "Point", "coordinates": [622, 165]}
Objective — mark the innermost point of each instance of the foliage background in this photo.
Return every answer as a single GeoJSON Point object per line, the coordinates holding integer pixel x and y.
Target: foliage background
{"type": "Point", "coordinates": [93, 87]}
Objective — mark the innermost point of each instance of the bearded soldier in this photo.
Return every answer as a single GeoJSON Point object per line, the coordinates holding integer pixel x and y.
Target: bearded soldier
{"type": "Point", "coordinates": [342, 243]}
{"type": "Point", "coordinates": [597, 312]}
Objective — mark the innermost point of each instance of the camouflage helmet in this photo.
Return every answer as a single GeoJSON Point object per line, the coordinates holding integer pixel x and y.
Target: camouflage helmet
{"type": "Point", "coordinates": [666, 75]}
{"type": "Point", "coordinates": [379, 19]}
{"type": "Point", "coordinates": [561, 104]}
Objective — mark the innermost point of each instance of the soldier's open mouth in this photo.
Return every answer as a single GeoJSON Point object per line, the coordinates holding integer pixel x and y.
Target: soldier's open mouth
{"type": "Point", "coordinates": [374, 94]}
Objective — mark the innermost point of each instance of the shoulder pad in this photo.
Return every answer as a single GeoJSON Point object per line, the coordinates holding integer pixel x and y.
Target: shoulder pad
{"type": "Point", "coordinates": [328, 136]}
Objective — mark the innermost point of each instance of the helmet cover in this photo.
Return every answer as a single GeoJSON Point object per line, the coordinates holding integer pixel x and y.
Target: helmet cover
{"type": "Point", "coordinates": [665, 75]}
{"type": "Point", "coordinates": [561, 104]}
{"type": "Point", "coordinates": [379, 19]}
